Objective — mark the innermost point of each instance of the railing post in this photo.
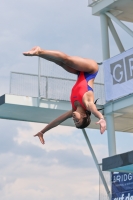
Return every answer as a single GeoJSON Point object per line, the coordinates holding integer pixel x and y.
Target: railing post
{"type": "Point", "coordinates": [39, 73]}
{"type": "Point", "coordinates": [10, 83]}
{"type": "Point", "coordinates": [46, 87]}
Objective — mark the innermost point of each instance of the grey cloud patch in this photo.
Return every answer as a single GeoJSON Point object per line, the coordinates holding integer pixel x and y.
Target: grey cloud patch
{"type": "Point", "coordinates": [8, 130]}
{"type": "Point", "coordinates": [28, 149]}
{"type": "Point", "coordinates": [69, 158]}
{"type": "Point", "coordinates": [6, 180]}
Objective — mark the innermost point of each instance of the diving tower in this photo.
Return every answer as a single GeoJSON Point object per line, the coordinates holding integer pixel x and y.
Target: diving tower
{"type": "Point", "coordinates": [118, 70]}
{"type": "Point", "coordinates": [115, 11]}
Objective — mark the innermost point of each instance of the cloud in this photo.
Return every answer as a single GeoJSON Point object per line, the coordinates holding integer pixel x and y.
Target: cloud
{"type": "Point", "coordinates": [64, 146]}
{"type": "Point", "coordinates": [8, 132]}
{"type": "Point", "coordinates": [22, 179]}
{"type": "Point", "coordinates": [70, 155]}
{"type": "Point", "coordinates": [71, 158]}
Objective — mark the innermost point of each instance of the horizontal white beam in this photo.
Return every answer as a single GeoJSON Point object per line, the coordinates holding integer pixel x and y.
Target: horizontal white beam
{"type": "Point", "coordinates": [101, 6]}
{"type": "Point", "coordinates": [118, 104]}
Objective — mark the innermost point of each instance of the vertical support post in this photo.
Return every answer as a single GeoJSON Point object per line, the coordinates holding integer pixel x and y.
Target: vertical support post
{"type": "Point", "coordinates": [105, 36]}
{"type": "Point", "coordinates": [106, 55]}
{"type": "Point", "coordinates": [10, 83]}
{"type": "Point", "coordinates": [39, 73]}
{"type": "Point", "coordinates": [46, 87]}
{"type": "Point", "coordinates": [115, 36]}
{"type": "Point", "coordinates": [96, 162]}
{"type": "Point", "coordinates": [111, 134]}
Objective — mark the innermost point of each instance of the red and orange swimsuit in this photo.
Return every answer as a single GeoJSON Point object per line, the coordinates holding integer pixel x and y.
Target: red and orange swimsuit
{"type": "Point", "coordinates": [81, 87]}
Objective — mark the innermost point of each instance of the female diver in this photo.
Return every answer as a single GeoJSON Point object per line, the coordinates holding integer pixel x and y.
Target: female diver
{"type": "Point", "coordinates": [82, 97]}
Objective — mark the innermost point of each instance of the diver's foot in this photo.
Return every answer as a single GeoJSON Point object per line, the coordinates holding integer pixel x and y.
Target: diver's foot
{"type": "Point", "coordinates": [40, 135]}
{"type": "Point", "coordinates": [33, 52]}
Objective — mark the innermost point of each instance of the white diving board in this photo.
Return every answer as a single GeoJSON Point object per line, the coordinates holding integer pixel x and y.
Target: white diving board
{"type": "Point", "coordinates": [25, 108]}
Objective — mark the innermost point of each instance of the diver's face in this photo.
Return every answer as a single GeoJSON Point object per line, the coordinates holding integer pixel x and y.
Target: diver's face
{"type": "Point", "coordinates": [77, 118]}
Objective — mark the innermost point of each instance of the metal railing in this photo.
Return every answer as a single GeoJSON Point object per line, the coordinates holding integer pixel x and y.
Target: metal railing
{"type": "Point", "coordinates": [51, 82]}
{"type": "Point", "coordinates": [47, 87]}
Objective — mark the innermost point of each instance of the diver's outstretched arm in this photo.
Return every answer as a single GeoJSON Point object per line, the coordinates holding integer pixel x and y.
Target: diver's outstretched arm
{"type": "Point", "coordinates": [53, 124]}
{"type": "Point", "coordinates": [92, 107]}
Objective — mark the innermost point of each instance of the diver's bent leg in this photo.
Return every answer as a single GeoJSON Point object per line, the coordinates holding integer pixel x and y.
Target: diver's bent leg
{"type": "Point", "coordinates": [47, 54]}
{"type": "Point", "coordinates": [74, 62]}
{"type": "Point", "coordinates": [64, 66]}
{"type": "Point", "coordinates": [54, 56]}
{"type": "Point", "coordinates": [82, 64]}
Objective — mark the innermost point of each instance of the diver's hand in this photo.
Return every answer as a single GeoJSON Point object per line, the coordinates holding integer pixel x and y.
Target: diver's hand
{"type": "Point", "coordinates": [102, 123]}
{"type": "Point", "coordinates": [40, 135]}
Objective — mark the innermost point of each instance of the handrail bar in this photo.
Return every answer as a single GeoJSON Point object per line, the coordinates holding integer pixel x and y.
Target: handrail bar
{"type": "Point", "coordinates": [66, 79]}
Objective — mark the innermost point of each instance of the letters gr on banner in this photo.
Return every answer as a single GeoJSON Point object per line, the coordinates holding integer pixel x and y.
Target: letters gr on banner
{"type": "Point", "coordinates": [122, 186]}
{"type": "Point", "coordinates": [121, 74]}
{"type": "Point", "coordinates": [118, 75]}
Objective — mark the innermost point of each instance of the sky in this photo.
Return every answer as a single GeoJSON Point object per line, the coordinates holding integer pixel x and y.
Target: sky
{"type": "Point", "coordinates": [63, 168]}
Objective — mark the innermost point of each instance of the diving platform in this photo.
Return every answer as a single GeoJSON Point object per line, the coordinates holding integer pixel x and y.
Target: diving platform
{"type": "Point", "coordinates": [32, 109]}
{"type": "Point", "coordinates": [119, 163]}
{"type": "Point", "coordinates": [122, 9]}
{"type": "Point", "coordinates": [44, 96]}
{"type": "Point", "coordinates": [24, 108]}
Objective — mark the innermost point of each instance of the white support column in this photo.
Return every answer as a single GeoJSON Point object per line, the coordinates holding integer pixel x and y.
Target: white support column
{"type": "Point", "coordinates": [106, 55]}
{"type": "Point", "coordinates": [111, 134]}
{"type": "Point", "coordinates": [105, 36]}
{"type": "Point", "coordinates": [115, 36]}
{"type": "Point", "coordinates": [123, 26]}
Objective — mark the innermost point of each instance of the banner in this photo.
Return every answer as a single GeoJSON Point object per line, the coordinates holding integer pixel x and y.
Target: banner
{"type": "Point", "coordinates": [122, 186]}
{"type": "Point", "coordinates": [118, 75]}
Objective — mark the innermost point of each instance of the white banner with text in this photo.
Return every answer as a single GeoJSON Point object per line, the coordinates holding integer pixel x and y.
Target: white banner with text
{"type": "Point", "coordinates": [118, 75]}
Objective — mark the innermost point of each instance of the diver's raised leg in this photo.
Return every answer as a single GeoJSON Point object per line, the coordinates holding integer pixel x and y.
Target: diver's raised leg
{"type": "Point", "coordinates": [53, 56]}
{"type": "Point", "coordinates": [74, 62]}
